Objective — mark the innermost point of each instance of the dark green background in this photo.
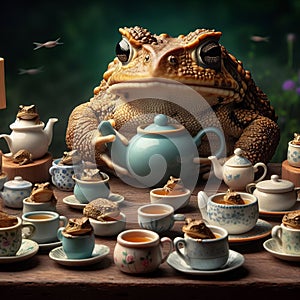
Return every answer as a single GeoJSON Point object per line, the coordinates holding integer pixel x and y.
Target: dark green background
{"type": "Point", "coordinates": [89, 31]}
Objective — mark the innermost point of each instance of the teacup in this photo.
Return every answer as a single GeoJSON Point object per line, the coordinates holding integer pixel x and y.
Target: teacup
{"type": "Point", "coordinates": [38, 206]}
{"type": "Point", "coordinates": [288, 238]}
{"type": "Point", "coordinates": [293, 155]}
{"type": "Point", "coordinates": [62, 175]}
{"type": "Point", "coordinates": [11, 237]}
{"type": "Point", "coordinates": [85, 191]}
{"type": "Point", "coordinates": [158, 217]}
{"type": "Point", "coordinates": [236, 219]}
{"type": "Point", "coordinates": [140, 251]}
{"type": "Point", "coordinates": [204, 254]}
{"type": "Point", "coordinates": [46, 224]}
{"type": "Point", "coordinates": [77, 247]}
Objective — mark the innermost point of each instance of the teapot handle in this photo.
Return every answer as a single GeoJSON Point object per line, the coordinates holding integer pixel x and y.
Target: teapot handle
{"type": "Point", "coordinates": [218, 133]}
{"type": "Point", "coordinates": [256, 166]}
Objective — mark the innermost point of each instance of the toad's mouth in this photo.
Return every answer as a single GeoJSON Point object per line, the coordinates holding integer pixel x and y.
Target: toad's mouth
{"type": "Point", "coordinates": [173, 91]}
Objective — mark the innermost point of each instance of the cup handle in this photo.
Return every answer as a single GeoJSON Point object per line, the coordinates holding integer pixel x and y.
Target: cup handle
{"type": "Point", "coordinates": [59, 233]}
{"type": "Point", "coordinates": [64, 220]}
{"type": "Point", "coordinates": [262, 165]}
{"type": "Point", "coordinates": [178, 241]}
{"type": "Point", "coordinates": [31, 230]}
{"type": "Point", "coordinates": [166, 241]}
{"type": "Point", "coordinates": [250, 187]}
{"type": "Point", "coordinates": [277, 234]}
{"type": "Point", "coordinates": [52, 170]}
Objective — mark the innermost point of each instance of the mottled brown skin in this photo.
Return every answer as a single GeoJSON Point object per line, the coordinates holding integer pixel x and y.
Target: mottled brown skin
{"type": "Point", "coordinates": [78, 226]}
{"type": "Point", "coordinates": [246, 116]}
{"type": "Point", "coordinates": [197, 229]}
{"type": "Point", "coordinates": [28, 112]}
{"type": "Point", "coordinates": [41, 192]}
{"type": "Point", "coordinates": [22, 157]}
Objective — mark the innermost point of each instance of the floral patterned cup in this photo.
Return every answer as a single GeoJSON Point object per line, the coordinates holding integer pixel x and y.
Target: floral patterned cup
{"type": "Point", "coordinates": [288, 238]}
{"type": "Point", "coordinates": [140, 251]}
{"type": "Point", "coordinates": [293, 155]}
{"type": "Point", "coordinates": [11, 237]}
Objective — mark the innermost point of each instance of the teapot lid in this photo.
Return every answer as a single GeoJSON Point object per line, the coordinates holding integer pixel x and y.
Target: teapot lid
{"type": "Point", "coordinates": [160, 124]}
{"type": "Point", "coordinates": [238, 160]}
{"type": "Point", "coordinates": [275, 185]}
{"type": "Point", "coordinates": [17, 183]}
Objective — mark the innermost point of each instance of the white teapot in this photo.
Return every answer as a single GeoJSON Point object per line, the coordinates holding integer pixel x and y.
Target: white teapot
{"type": "Point", "coordinates": [238, 171]}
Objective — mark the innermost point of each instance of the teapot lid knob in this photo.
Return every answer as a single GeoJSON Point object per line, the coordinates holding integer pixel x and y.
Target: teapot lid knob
{"type": "Point", "coordinates": [161, 120]}
{"type": "Point", "coordinates": [238, 151]}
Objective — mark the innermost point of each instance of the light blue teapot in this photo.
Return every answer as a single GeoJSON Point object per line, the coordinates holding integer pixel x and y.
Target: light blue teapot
{"type": "Point", "coordinates": [156, 152]}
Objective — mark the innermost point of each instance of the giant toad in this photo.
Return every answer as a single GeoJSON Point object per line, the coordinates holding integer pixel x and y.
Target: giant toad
{"type": "Point", "coordinates": [151, 62]}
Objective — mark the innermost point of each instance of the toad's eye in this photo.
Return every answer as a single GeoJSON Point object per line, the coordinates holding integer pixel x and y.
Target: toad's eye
{"type": "Point", "coordinates": [209, 55]}
{"type": "Point", "coordinates": [124, 51]}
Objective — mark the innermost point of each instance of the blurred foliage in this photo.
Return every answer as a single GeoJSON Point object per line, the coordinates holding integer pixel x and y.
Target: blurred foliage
{"type": "Point", "coordinates": [89, 31]}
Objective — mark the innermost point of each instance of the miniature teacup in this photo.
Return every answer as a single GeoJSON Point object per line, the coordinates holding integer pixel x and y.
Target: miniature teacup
{"type": "Point", "coordinates": [140, 251]}
{"type": "Point", "coordinates": [288, 238]}
{"type": "Point", "coordinates": [77, 247]}
{"type": "Point", "coordinates": [158, 217]}
{"type": "Point", "coordinates": [86, 191]}
{"type": "Point", "coordinates": [236, 219]}
{"type": "Point", "coordinates": [46, 224]}
{"type": "Point", "coordinates": [14, 191]}
{"type": "Point", "coordinates": [204, 254]}
{"type": "Point", "coordinates": [293, 155]}
{"type": "Point", "coordinates": [38, 206]}
{"type": "Point", "coordinates": [61, 175]}
{"type": "Point", "coordinates": [11, 237]}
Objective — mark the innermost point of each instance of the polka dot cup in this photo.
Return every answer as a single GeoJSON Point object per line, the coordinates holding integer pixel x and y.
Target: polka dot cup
{"type": "Point", "coordinates": [61, 176]}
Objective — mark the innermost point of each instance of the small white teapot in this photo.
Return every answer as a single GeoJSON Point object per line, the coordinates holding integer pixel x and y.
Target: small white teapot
{"type": "Point", "coordinates": [238, 171]}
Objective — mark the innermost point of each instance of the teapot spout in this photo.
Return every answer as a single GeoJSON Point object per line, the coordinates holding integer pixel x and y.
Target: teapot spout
{"type": "Point", "coordinates": [9, 143]}
{"type": "Point", "coordinates": [48, 130]}
{"type": "Point", "coordinates": [202, 204]}
{"type": "Point", "coordinates": [218, 168]}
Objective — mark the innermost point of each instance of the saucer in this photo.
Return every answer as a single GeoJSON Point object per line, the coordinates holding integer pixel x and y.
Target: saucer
{"type": "Point", "coordinates": [279, 214]}
{"type": "Point", "coordinates": [74, 203]}
{"type": "Point", "coordinates": [235, 260]}
{"type": "Point", "coordinates": [272, 246]}
{"type": "Point", "coordinates": [49, 246]}
{"type": "Point", "coordinates": [261, 230]}
{"type": "Point", "coordinates": [28, 249]}
{"type": "Point", "coordinates": [99, 252]}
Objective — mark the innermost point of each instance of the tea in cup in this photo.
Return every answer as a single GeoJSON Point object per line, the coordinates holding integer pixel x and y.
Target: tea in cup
{"type": "Point", "coordinates": [204, 254]}
{"type": "Point", "coordinates": [78, 239]}
{"type": "Point", "coordinates": [235, 218]}
{"type": "Point", "coordinates": [11, 236]}
{"type": "Point", "coordinates": [288, 238]}
{"type": "Point", "coordinates": [46, 224]}
{"type": "Point", "coordinates": [140, 251]}
{"type": "Point", "coordinates": [158, 217]}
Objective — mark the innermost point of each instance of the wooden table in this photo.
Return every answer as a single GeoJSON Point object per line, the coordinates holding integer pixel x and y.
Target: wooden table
{"type": "Point", "coordinates": [262, 275]}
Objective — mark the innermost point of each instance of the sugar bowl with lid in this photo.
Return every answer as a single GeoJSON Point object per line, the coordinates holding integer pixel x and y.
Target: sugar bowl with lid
{"type": "Point", "coordinates": [275, 194]}
{"type": "Point", "coordinates": [14, 191]}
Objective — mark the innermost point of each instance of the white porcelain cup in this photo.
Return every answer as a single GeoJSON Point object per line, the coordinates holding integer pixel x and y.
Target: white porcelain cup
{"type": "Point", "coordinates": [38, 206]}
{"type": "Point", "coordinates": [293, 155]}
{"type": "Point", "coordinates": [158, 217]}
{"type": "Point", "coordinates": [46, 224]}
{"type": "Point", "coordinates": [288, 238]}
{"type": "Point", "coordinates": [204, 254]}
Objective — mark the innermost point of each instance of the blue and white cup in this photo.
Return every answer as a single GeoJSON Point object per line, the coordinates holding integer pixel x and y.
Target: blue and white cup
{"type": "Point", "coordinates": [77, 247]}
{"type": "Point", "coordinates": [293, 155]}
{"type": "Point", "coordinates": [204, 254]}
{"type": "Point", "coordinates": [62, 175]}
{"type": "Point", "coordinates": [236, 219]}
{"type": "Point", "coordinates": [288, 238]}
{"type": "Point", "coordinates": [158, 217]}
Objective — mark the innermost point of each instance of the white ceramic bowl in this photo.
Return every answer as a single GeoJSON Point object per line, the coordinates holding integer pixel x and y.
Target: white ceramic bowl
{"type": "Point", "coordinates": [38, 206]}
{"type": "Point", "coordinates": [176, 201]}
{"type": "Point", "coordinates": [108, 228]}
